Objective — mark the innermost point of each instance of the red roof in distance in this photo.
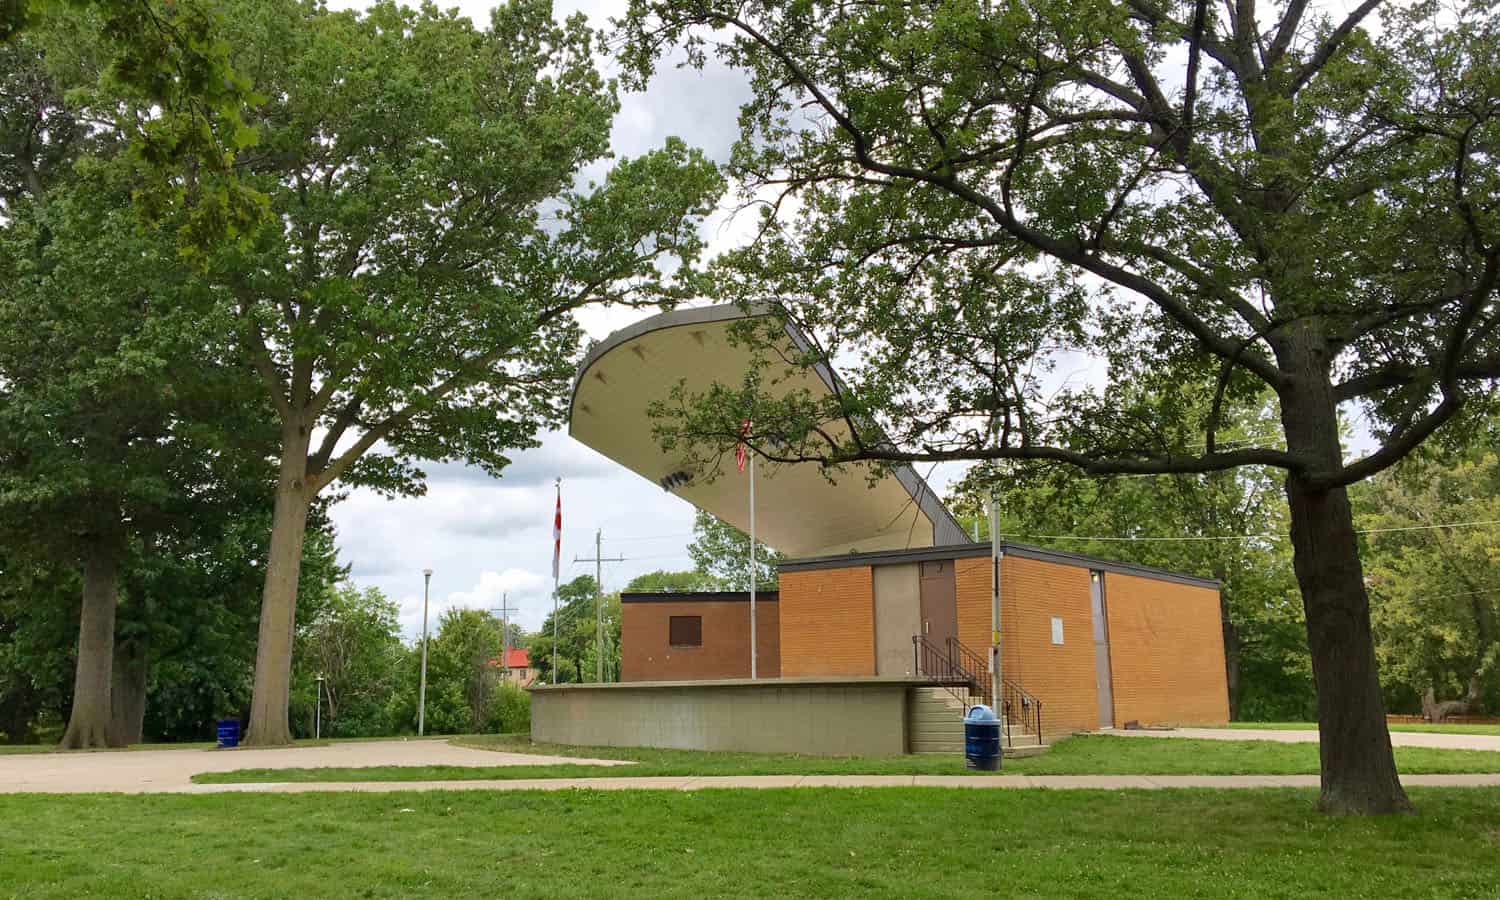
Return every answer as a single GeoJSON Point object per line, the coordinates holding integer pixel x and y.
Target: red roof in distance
{"type": "Point", "coordinates": [518, 658]}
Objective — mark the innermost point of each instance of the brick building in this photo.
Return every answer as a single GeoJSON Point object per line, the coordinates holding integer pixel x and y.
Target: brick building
{"type": "Point", "coordinates": [1097, 643]}
{"type": "Point", "coordinates": [882, 591]}
{"type": "Point", "coordinates": [685, 637]}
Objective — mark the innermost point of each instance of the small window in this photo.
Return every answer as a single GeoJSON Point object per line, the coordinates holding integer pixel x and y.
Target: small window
{"type": "Point", "coordinates": [935, 567]}
{"type": "Point", "coordinates": [685, 631]}
{"type": "Point", "coordinates": [1057, 634]}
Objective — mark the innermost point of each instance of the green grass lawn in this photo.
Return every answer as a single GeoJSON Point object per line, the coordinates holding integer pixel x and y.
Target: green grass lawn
{"type": "Point", "coordinates": [907, 842]}
{"type": "Point", "coordinates": [1415, 726]}
{"type": "Point", "coordinates": [9, 749]}
{"type": "Point", "coordinates": [1086, 755]}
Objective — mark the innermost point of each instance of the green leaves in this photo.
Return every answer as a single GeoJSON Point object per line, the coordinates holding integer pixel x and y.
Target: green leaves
{"type": "Point", "coordinates": [183, 107]}
{"type": "Point", "coordinates": [721, 554]}
{"type": "Point", "coordinates": [1435, 593]}
{"type": "Point", "coordinates": [415, 300]}
{"type": "Point", "coordinates": [995, 217]}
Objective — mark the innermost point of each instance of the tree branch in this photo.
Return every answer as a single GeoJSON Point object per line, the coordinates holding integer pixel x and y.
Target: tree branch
{"type": "Point", "coordinates": [1162, 465]}
{"type": "Point", "coordinates": [1216, 343]}
{"type": "Point", "coordinates": [1331, 45]}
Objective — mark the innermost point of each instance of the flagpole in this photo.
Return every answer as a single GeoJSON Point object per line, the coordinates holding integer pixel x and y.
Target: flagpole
{"type": "Point", "coordinates": [556, 567]}
{"type": "Point", "coordinates": [752, 566]}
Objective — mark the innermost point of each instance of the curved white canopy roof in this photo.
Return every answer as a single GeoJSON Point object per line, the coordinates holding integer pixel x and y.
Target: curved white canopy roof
{"type": "Point", "coordinates": [797, 511]}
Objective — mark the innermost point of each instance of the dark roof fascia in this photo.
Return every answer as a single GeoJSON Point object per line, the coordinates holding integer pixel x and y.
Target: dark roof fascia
{"type": "Point", "coordinates": [700, 597]}
{"type": "Point", "coordinates": [962, 551]}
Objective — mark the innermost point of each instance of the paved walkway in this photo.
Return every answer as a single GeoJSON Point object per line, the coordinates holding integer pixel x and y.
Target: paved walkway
{"type": "Point", "coordinates": [1398, 738]}
{"type": "Point", "coordinates": [140, 771]}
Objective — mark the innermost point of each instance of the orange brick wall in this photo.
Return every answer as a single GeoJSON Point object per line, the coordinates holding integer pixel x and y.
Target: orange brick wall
{"type": "Point", "coordinates": [828, 622]}
{"type": "Point", "coordinates": [1062, 676]}
{"type": "Point", "coordinates": [1166, 648]}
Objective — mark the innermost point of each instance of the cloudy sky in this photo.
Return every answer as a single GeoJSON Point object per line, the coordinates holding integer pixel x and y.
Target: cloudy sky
{"type": "Point", "coordinates": [487, 538]}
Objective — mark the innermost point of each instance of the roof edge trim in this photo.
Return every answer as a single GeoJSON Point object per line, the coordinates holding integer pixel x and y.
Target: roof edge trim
{"type": "Point", "coordinates": [965, 551]}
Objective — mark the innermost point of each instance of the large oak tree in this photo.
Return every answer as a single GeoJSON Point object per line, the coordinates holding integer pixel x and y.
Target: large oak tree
{"type": "Point", "coordinates": [433, 234]}
{"type": "Point", "coordinates": [962, 196]}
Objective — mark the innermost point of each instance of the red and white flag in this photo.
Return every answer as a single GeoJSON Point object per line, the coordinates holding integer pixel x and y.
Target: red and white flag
{"type": "Point", "coordinates": [557, 534]}
{"type": "Point", "coordinates": [742, 452]}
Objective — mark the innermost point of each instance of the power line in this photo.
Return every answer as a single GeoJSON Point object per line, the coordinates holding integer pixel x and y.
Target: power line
{"type": "Point", "coordinates": [1428, 527]}
{"type": "Point", "coordinates": [1489, 590]}
{"type": "Point", "coordinates": [1247, 537]}
{"type": "Point", "coordinates": [654, 537]}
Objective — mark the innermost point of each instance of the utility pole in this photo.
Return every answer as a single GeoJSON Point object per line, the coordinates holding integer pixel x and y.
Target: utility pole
{"type": "Point", "coordinates": [599, 560]}
{"type": "Point", "coordinates": [504, 610]}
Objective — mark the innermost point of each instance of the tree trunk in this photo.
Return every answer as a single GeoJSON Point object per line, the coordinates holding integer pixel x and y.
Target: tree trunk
{"type": "Point", "coordinates": [1435, 711]}
{"type": "Point", "coordinates": [1358, 767]}
{"type": "Point", "coordinates": [128, 691]}
{"type": "Point", "coordinates": [1232, 666]}
{"type": "Point", "coordinates": [89, 722]}
{"type": "Point", "coordinates": [270, 722]}
{"type": "Point", "coordinates": [18, 710]}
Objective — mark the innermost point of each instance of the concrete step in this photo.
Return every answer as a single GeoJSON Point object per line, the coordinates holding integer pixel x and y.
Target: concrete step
{"type": "Point", "coordinates": [935, 728]}
{"type": "Point", "coordinates": [935, 709]}
{"type": "Point", "coordinates": [935, 721]}
{"type": "Point", "coordinates": [937, 747]}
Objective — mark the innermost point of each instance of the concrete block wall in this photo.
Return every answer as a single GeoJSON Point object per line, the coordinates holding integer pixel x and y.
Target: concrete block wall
{"type": "Point", "coordinates": [1166, 651]}
{"type": "Point", "coordinates": [821, 717]}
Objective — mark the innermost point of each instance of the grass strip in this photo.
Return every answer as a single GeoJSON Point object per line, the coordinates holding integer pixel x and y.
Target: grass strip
{"type": "Point", "coordinates": [1082, 755]}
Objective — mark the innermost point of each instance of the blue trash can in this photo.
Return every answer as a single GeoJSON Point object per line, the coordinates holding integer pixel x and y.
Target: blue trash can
{"type": "Point", "coordinates": [229, 733]}
{"type": "Point", "coordinates": [982, 738]}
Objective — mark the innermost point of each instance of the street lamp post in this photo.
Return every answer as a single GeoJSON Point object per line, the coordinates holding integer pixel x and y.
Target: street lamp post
{"type": "Point", "coordinates": [318, 716]}
{"type": "Point", "coordinates": [422, 688]}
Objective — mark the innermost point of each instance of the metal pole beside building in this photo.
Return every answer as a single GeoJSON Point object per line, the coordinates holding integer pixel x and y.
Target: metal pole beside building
{"type": "Point", "coordinates": [753, 573]}
{"type": "Point", "coordinates": [997, 560]}
{"type": "Point", "coordinates": [422, 688]}
{"type": "Point", "coordinates": [556, 576]}
{"type": "Point", "coordinates": [599, 605]}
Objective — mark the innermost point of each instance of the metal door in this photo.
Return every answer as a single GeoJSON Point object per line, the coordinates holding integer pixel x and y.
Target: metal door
{"type": "Point", "coordinates": [1106, 688]}
{"type": "Point", "coordinates": [939, 602]}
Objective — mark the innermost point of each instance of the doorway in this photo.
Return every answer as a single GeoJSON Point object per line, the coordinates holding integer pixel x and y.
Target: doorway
{"type": "Point", "coordinates": [939, 595]}
{"type": "Point", "coordinates": [1105, 680]}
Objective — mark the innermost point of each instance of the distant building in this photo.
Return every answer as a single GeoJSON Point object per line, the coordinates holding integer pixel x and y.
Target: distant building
{"type": "Point", "coordinates": [516, 667]}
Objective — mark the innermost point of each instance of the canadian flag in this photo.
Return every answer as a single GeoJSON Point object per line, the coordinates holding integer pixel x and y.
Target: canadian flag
{"type": "Point", "coordinates": [557, 534]}
{"type": "Point", "coordinates": [741, 452]}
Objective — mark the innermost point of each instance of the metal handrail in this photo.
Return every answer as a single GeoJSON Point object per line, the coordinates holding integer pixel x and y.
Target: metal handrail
{"type": "Point", "coordinates": [937, 664]}
{"type": "Point", "coordinates": [974, 664]}
{"type": "Point", "coordinates": [1015, 702]}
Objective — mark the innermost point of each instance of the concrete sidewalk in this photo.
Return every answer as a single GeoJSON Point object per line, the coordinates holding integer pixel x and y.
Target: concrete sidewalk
{"type": "Point", "coordinates": [1398, 738]}
{"type": "Point", "coordinates": [1055, 782]}
{"type": "Point", "coordinates": [143, 771]}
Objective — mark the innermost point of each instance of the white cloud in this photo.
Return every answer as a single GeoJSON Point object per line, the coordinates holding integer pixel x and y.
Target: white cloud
{"type": "Point", "coordinates": [487, 537]}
